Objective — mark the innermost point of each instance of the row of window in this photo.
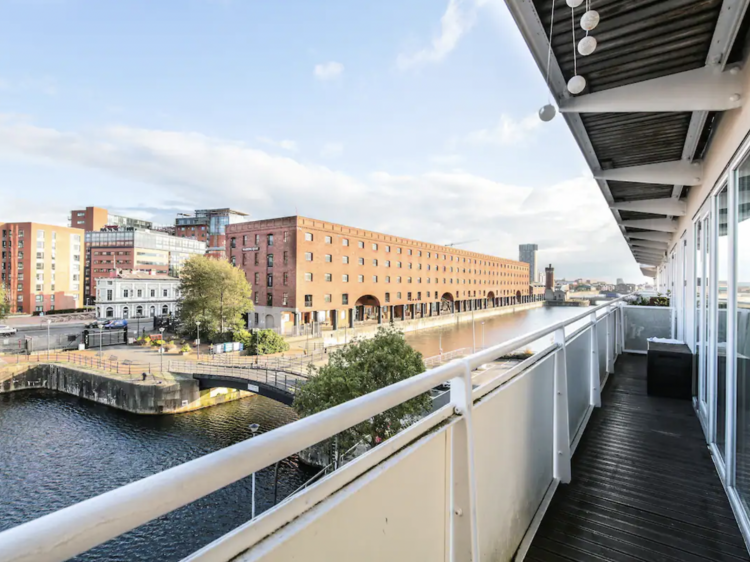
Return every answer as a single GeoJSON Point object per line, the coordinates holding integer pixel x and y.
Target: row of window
{"type": "Point", "coordinates": [245, 238]}
{"type": "Point", "coordinates": [361, 279]}
{"type": "Point", "coordinates": [345, 242]}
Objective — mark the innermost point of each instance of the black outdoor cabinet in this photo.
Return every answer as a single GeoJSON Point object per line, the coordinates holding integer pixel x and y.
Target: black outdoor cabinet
{"type": "Point", "coordinates": [670, 370]}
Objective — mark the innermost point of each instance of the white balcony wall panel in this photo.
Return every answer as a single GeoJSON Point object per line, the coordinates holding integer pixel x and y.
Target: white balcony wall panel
{"type": "Point", "coordinates": [398, 511]}
{"type": "Point", "coordinates": [514, 449]}
{"type": "Point", "coordinates": [578, 353]}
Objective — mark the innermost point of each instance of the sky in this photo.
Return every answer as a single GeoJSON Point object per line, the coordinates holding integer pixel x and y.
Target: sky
{"type": "Point", "coordinates": [412, 117]}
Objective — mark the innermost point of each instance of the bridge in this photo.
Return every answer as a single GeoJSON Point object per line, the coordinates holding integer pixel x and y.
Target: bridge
{"type": "Point", "coordinates": [277, 382]}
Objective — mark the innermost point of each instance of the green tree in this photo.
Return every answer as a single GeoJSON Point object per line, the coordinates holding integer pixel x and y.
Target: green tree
{"type": "Point", "coordinates": [261, 342]}
{"type": "Point", "coordinates": [4, 303]}
{"type": "Point", "coordinates": [215, 293]}
{"type": "Point", "coordinates": [364, 366]}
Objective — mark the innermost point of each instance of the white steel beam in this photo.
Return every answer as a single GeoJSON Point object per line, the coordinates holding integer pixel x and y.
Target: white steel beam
{"type": "Point", "coordinates": [677, 171]}
{"type": "Point", "coordinates": [661, 225]}
{"type": "Point", "coordinates": [648, 251]}
{"type": "Point", "coordinates": [666, 206]}
{"type": "Point", "coordinates": [654, 236]}
{"type": "Point", "coordinates": [647, 261]}
{"type": "Point", "coordinates": [649, 244]}
{"type": "Point", "coordinates": [702, 89]}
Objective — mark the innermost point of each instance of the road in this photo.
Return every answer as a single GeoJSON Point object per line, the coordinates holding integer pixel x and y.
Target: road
{"type": "Point", "coordinates": [60, 335]}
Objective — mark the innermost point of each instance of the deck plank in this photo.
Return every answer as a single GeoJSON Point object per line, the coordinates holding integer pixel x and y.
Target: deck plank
{"type": "Point", "coordinates": [644, 485]}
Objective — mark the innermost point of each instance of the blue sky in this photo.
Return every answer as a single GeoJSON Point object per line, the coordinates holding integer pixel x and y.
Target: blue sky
{"type": "Point", "coordinates": [412, 117]}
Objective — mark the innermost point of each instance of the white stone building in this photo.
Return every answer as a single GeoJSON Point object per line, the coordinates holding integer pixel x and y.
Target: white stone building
{"type": "Point", "coordinates": [133, 295]}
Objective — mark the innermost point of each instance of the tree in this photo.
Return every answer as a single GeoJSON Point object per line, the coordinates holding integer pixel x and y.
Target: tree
{"type": "Point", "coordinates": [364, 366]}
{"type": "Point", "coordinates": [4, 303]}
{"type": "Point", "coordinates": [215, 293]}
{"type": "Point", "coordinates": [261, 342]}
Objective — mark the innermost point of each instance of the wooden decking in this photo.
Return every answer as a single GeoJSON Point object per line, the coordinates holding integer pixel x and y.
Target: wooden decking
{"type": "Point", "coordinates": [644, 485]}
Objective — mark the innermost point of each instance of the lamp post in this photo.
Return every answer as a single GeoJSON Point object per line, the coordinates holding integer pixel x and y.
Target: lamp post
{"type": "Point", "coordinates": [161, 350]}
{"type": "Point", "coordinates": [254, 427]}
{"type": "Point", "coordinates": [198, 338]}
{"type": "Point", "coordinates": [100, 325]}
{"type": "Point", "coordinates": [483, 346]}
{"type": "Point", "coordinates": [48, 325]}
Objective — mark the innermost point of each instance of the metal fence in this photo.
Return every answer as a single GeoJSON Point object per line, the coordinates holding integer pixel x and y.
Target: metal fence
{"type": "Point", "coordinates": [111, 365]}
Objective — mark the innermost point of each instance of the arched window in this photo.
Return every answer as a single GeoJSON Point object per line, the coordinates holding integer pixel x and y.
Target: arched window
{"type": "Point", "coordinates": [110, 312]}
{"type": "Point", "coordinates": [125, 312]}
{"type": "Point", "coordinates": [139, 311]}
{"type": "Point", "coordinates": [153, 311]}
{"type": "Point", "coordinates": [165, 310]}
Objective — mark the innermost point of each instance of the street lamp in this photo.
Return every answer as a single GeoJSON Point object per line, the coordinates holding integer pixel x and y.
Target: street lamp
{"type": "Point", "coordinates": [483, 346]}
{"type": "Point", "coordinates": [254, 427]}
{"type": "Point", "coordinates": [161, 350]}
{"type": "Point", "coordinates": [49, 321]}
{"type": "Point", "coordinates": [100, 325]}
{"type": "Point", "coordinates": [473, 333]}
{"type": "Point", "coordinates": [198, 338]}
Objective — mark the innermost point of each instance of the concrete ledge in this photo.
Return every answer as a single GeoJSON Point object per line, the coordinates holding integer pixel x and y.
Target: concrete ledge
{"type": "Point", "coordinates": [170, 397]}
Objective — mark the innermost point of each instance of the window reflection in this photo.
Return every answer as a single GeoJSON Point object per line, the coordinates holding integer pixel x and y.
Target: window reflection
{"type": "Point", "coordinates": [722, 275]}
{"type": "Point", "coordinates": [742, 198]}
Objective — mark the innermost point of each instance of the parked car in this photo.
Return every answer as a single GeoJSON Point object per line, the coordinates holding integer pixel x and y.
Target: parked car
{"type": "Point", "coordinates": [114, 324]}
{"type": "Point", "coordinates": [7, 330]}
{"type": "Point", "coordinates": [95, 324]}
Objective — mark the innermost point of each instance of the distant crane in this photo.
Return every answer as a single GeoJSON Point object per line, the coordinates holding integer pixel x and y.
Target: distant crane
{"type": "Point", "coordinates": [464, 242]}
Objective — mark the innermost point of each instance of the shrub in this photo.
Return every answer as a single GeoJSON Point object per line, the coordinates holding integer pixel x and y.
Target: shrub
{"type": "Point", "coordinates": [261, 342]}
{"type": "Point", "coordinates": [185, 348]}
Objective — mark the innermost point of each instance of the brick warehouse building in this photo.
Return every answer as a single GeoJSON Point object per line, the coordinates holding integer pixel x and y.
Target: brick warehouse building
{"type": "Point", "coordinates": [304, 270]}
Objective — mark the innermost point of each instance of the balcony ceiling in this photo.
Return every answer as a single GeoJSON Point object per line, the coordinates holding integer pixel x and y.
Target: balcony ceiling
{"type": "Point", "coordinates": [638, 40]}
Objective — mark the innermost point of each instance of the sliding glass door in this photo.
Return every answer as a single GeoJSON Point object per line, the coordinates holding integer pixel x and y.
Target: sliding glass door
{"type": "Point", "coordinates": [719, 312]}
{"type": "Point", "coordinates": [742, 330]}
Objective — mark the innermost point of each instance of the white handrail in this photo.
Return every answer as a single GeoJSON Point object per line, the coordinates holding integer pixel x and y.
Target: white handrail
{"type": "Point", "coordinates": [80, 527]}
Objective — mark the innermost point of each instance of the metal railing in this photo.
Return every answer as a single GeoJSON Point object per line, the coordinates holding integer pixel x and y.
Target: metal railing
{"type": "Point", "coordinates": [436, 360]}
{"type": "Point", "coordinates": [526, 421]}
{"type": "Point", "coordinates": [112, 365]}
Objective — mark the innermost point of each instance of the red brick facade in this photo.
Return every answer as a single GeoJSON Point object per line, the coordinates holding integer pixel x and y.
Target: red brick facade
{"type": "Point", "coordinates": [320, 266]}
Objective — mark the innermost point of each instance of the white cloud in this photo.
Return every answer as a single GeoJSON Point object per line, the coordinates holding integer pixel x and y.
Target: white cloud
{"type": "Point", "coordinates": [508, 131]}
{"type": "Point", "coordinates": [289, 145]}
{"type": "Point", "coordinates": [459, 17]}
{"type": "Point", "coordinates": [332, 150]}
{"type": "Point", "coordinates": [447, 159]}
{"type": "Point", "coordinates": [570, 221]}
{"type": "Point", "coordinates": [328, 70]}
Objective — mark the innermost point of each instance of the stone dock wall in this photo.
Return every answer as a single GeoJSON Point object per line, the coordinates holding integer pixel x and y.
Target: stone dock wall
{"type": "Point", "coordinates": [170, 397]}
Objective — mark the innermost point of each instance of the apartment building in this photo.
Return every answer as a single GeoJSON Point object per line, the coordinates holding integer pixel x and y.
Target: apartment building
{"type": "Point", "coordinates": [113, 250]}
{"type": "Point", "coordinates": [304, 270]}
{"type": "Point", "coordinates": [96, 218]}
{"type": "Point", "coordinates": [209, 226]}
{"type": "Point", "coordinates": [527, 253]}
{"type": "Point", "coordinates": [41, 266]}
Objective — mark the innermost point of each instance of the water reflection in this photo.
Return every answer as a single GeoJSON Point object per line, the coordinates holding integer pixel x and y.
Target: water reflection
{"type": "Point", "coordinates": [58, 450]}
{"type": "Point", "coordinates": [491, 331]}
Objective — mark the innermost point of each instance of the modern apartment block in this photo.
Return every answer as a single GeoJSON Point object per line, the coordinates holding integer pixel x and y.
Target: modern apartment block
{"type": "Point", "coordinates": [305, 270]}
{"type": "Point", "coordinates": [527, 254]}
{"type": "Point", "coordinates": [111, 251]}
{"type": "Point", "coordinates": [96, 218]}
{"type": "Point", "coordinates": [41, 266]}
{"type": "Point", "coordinates": [209, 226]}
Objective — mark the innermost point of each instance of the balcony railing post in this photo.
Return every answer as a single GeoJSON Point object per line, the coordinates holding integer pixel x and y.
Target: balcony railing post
{"type": "Point", "coordinates": [610, 361]}
{"type": "Point", "coordinates": [560, 424]}
{"type": "Point", "coordinates": [595, 396]}
{"type": "Point", "coordinates": [464, 540]}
